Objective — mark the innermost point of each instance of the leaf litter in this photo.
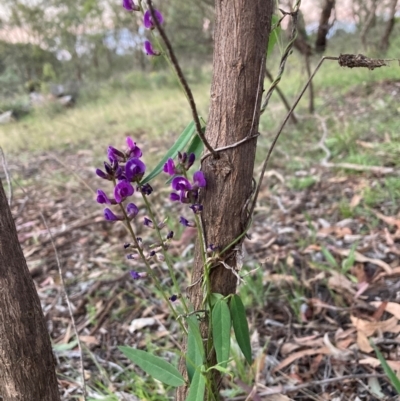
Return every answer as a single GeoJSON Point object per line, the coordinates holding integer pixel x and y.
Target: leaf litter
{"type": "Point", "coordinates": [327, 279]}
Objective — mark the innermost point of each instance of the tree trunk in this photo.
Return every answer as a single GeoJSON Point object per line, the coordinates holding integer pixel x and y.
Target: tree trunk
{"type": "Point", "coordinates": [368, 23]}
{"type": "Point", "coordinates": [27, 365]}
{"type": "Point", "coordinates": [388, 27]}
{"type": "Point", "coordinates": [323, 28]}
{"type": "Point", "coordinates": [240, 41]}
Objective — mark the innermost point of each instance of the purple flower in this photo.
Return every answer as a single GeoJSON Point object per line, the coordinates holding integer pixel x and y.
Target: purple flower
{"type": "Point", "coordinates": [149, 50]}
{"type": "Point", "coordinates": [134, 169]}
{"type": "Point", "coordinates": [109, 169]}
{"type": "Point", "coordinates": [173, 298]}
{"type": "Point", "coordinates": [169, 167]}
{"type": "Point", "coordinates": [110, 216]}
{"type": "Point", "coordinates": [199, 180]}
{"type": "Point", "coordinates": [147, 222]}
{"type": "Point", "coordinates": [132, 210]}
{"type": "Point", "coordinates": [147, 189]}
{"type": "Point", "coordinates": [115, 154]}
{"type": "Point", "coordinates": [134, 151]}
{"type": "Point", "coordinates": [186, 223]}
{"type": "Point", "coordinates": [129, 5]}
{"type": "Point", "coordinates": [191, 159]}
{"type": "Point", "coordinates": [135, 275]}
{"type": "Point", "coordinates": [197, 208]}
{"type": "Point", "coordinates": [103, 198]}
{"type": "Point", "coordinates": [174, 197]}
{"type": "Point", "coordinates": [102, 174]}
{"type": "Point", "coordinates": [170, 235]}
{"type": "Point", "coordinates": [148, 19]}
{"type": "Point", "coordinates": [181, 184]}
{"type": "Point", "coordinates": [122, 190]}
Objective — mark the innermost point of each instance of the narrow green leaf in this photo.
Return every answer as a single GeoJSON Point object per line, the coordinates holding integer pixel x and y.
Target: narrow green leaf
{"type": "Point", "coordinates": [388, 370]}
{"type": "Point", "coordinates": [329, 257]}
{"type": "Point", "coordinates": [241, 327]}
{"type": "Point", "coordinates": [65, 347]}
{"type": "Point", "coordinates": [197, 387]}
{"type": "Point", "coordinates": [179, 145]}
{"type": "Point", "coordinates": [196, 146]}
{"type": "Point", "coordinates": [221, 329]}
{"type": "Point", "coordinates": [274, 34]}
{"type": "Point", "coordinates": [154, 366]}
{"type": "Point", "coordinates": [195, 348]}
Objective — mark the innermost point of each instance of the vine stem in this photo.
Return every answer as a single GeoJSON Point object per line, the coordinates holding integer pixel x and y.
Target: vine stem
{"type": "Point", "coordinates": [183, 81]}
{"type": "Point", "coordinates": [150, 271]}
{"type": "Point", "coordinates": [165, 253]}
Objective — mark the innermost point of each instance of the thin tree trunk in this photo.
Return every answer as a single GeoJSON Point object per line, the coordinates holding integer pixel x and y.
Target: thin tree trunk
{"type": "Point", "coordinates": [323, 28]}
{"type": "Point", "coordinates": [369, 22]}
{"type": "Point", "coordinates": [241, 35]}
{"type": "Point", "coordinates": [27, 365]}
{"type": "Point", "coordinates": [388, 27]}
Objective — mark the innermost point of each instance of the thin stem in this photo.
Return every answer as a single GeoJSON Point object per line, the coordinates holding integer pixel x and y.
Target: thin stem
{"type": "Point", "coordinates": [284, 57]}
{"type": "Point", "coordinates": [165, 253]}
{"type": "Point", "coordinates": [69, 307]}
{"type": "Point", "coordinates": [149, 270]}
{"type": "Point", "coordinates": [264, 167]}
{"type": "Point", "coordinates": [182, 80]}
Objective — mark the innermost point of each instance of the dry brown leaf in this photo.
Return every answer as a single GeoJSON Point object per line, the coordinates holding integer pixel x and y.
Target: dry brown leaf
{"type": "Point", "coordinates": [339, 282]}
{"type": "Point", "coordinates": [391, 307]}
{"type": "Point", "coordinates": [369, 328]}
{"type": "Point", "coordinates": [89, 340]}
{"type": "Point", "coordinates": [392, 221]}
{"type": "Point", "coordinates": [379, 311]}
{"type": "Point", "coordinates": [300, 354]}
{"type": "Point", "coordinates": [363, 342]}
{"type": "Point", "coordinates": [341, 354]}
{"type": "Point", "coordinates": [359, 257]}
{"type": "Point", "coordinates": [374, 362]}
{"type": "Point", "coordinates": [288, 348]}
{"type": "Point", "coordinates": [355, 200]}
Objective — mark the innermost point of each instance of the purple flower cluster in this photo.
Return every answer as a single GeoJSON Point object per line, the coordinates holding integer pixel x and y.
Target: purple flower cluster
{"type": "Point", "coordinates": [148, 23]}
{"type": "Point", "coordinates": [185, 191]}
{"type": "Point", "coordinates": [123, 169]}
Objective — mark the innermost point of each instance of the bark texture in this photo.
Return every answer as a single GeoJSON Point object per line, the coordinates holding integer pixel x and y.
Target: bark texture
{"type": "Point", "coordinates": [323, 28]}
{"type": "Point", "coordinates": [240, 41]}
{"type": "Point", "coordinates": [27, 365]}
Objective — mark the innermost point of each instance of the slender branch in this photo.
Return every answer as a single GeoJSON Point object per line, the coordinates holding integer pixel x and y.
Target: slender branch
{"type": "Point", "coordinates": [264, 167]}
{"type": "Point", "coordinates": [281, 95]}
{"type": "Point", "coordinates": [183, 81]}
{"type": "Point", "coordinates": [284, 57]}
{"type": "Point", "coordinates": [69, 306]}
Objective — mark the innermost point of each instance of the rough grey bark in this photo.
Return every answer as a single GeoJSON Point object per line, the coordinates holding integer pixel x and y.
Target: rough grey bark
{"type": "Point", "coordinates": [27, 366]}
{"type": "Point", "coordinates": [240, 41]}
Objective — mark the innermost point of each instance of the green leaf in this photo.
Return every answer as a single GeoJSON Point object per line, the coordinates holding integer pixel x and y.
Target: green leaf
{"type": "Point", "coordinates": [241, 327]}
{"type": "Point", "coordinates": [154, 366]}
{"type": "Point", "coordinates": [274, 34]}
{"type": "Point", "coordinates": [179, 145]}
{"type": "Point", "coordinates": [65, 347]}
{"type": "Point", "coordinates": [388, 370]}
{"type": "Point", "coordinates": [197, 387]}
{"type": "Point", "coordinates": [196, 146]}
{"type": "Point", "coordinates": [329, 257]}
{"type": "Point", "coordinates": [195, 348]}
{"type": "Point", "coordinates": [221, 329]}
